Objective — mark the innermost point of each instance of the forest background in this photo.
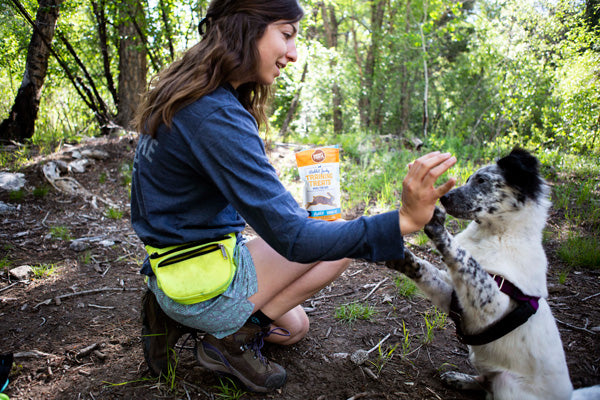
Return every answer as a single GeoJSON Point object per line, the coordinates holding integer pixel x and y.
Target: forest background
{"type": "Point", "coordinates": [386, 80]}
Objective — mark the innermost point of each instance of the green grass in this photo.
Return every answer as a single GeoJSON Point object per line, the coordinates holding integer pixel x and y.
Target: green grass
{"type": "Point", "coordinates": [562, 276]}
{"type": "Point", "coordinates": [113, 213]}
{"type": "Point", "coordinates": [405, 340]}
{"type": "Point", "coordinates": [406, 287]}
{"type": "Point", "coordinates": [580, 252]}
{"type": "Point", "coordinates": [40, 192]}
{"type": "Point", "coordinates": [383, 357]}
{"type": "Point", "coordinates": [60, 232]}
{"type": "Point", "coordinates": [434, 319]}
{"type": "Point", "coordinates": [420, 239]}
{"type": "Point", "coordinates": [5, 263]}
{"type": "Point", "coordinates": [351, 312]}
{"type": "Point", "coordinates": [43, 270]}
{"type": "Point", "coordinates": [16, 195]}
{"type": "Point", "coordinates": [228, 390]}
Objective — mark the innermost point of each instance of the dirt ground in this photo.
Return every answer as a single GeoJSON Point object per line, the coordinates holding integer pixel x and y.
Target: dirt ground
{"type": "Point", "coordinates": [75, 333]}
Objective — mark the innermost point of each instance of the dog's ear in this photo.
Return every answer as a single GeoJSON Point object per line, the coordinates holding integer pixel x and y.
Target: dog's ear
{"type": "Point", "coordinates": [521, 171]}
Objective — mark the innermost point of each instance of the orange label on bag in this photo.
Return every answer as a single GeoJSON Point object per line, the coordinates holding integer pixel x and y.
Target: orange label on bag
{"type": "Point", "coordinates": [319, 169]}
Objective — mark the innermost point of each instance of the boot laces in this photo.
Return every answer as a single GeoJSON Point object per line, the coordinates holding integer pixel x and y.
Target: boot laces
{"type": "Point", "coordinates": [259, 341]}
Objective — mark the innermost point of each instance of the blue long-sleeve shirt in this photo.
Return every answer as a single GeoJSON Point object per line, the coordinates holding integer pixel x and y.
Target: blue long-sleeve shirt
{"type": "Point", "coordinates": [209, 175]}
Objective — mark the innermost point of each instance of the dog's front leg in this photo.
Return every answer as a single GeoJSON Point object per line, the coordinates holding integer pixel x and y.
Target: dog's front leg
{"type": "Point", "coordinates": [435, 283]}
{"type": "Point", "coordinates": [477, 292]}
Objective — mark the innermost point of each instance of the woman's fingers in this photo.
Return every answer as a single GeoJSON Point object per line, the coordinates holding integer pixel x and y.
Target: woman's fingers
{"type": "Point", "coordinates": [445, 188]}
{"type": "Point", "coordinates": [430, 167]}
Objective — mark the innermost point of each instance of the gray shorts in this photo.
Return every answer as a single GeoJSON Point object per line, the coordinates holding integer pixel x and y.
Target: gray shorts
{"type": "Point", "coordinates": [222, 315]}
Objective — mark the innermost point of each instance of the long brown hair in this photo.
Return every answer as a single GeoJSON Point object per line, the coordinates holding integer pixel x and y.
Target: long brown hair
{"type": "Point", "coordinates": [226, 52]}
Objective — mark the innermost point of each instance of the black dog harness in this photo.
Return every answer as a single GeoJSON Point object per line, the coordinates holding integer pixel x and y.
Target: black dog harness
{"type": "Point", "coordinates": [526, 307]}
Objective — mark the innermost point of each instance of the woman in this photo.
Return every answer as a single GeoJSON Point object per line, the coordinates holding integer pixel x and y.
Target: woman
{"type": "Point", "coordinates": [201, 172]}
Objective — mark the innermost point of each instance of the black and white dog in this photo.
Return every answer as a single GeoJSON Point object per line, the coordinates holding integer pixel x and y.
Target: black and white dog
{"type": "Point", "coordinates": [494, 286]}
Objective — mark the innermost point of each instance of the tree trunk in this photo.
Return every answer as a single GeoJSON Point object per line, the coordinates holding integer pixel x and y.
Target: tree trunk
{"type": "Point", "coordinates": [425, 72]}
{"type": "Point", "coordinates": [132, 62]}
{"type": "Point", "coordinates": [283, 132]}
{"type": "Point", "coordinates": [100, 15]}
{"type": "Point", "coordinates": [20, 124]}
{"type": "Point", "coordinates": [330, 24]}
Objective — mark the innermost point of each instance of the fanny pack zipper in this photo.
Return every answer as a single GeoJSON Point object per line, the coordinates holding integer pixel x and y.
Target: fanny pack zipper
{"type": "Point", "coordinates": [187, 246]}
{"type": "Point", "coordinates": [195, 253]}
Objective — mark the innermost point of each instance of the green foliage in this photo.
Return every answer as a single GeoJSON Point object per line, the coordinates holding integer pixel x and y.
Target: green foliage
{"type": "Point", "coordinates": [406, 286]}
{"type": "Point", "coordinates": [562, 276]}
{"type": "Point", "coordinates": [434, 319]}
{"type": "Point", "coordinates": [580, 252]}
{"type": "Point", "coordinates": [16, 195]}
{"type": "Point", "coordinates": [228, 390]}
{"type": "Point", "coordinates": [383, 357]}
{"type": "Point", "coordinates": [405, 340]}
{"type": "Point", "coordinates": [60, 232]}
{"type": "Point", "coordinates": [5, 263]}
{"type": "Point", "coordinates": [43, 270]}
{"type": "Point", "coordinates": [420, 239]}
{"type": "Point", "coordinates": [353, 311]}
{"type": "Point", "coordinates": [113, 213]}
{"type": "Point", "coordinates": [40, 192]}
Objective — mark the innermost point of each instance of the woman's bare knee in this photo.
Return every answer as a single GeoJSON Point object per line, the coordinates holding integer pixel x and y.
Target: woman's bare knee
{"type": "Point", "coordinates": [295, 321]}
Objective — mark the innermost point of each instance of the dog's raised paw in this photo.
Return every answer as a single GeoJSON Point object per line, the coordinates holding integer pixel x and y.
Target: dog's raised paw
{"type": "Point", "coordinates": [408, 265]}
{"type": "Point", "coordinates": [460, 381]}
{"type": "Point", "coordinates": [436, 223]}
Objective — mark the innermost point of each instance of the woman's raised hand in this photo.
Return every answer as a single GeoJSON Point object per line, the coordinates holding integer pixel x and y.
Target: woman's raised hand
{"type": "Point", "coordinates": [418, 193]}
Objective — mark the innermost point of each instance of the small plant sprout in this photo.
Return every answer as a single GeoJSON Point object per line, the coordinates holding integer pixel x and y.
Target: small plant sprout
{"type": "Point", "coordinates": [16, 195]}
{"type": "Point", "coordinates": [562, 276]}
{"type": "Point", "coordinates": [383, 357]}
{"type": "Point", "coordinates": [5, 263]}
{"type": "Point", "coordinates": [353, 311]}
{"type": "Point", "coordinates": [228, 390]}
{"type": "Point", "coordinates": [433, 320]}
{"type": "Point", "coordinates": [43, 270]}
{"type": "Point", "coordinates": [113, 213]}
{"type": "Point", "coordinates": [405, 340]}
{"type": "Point", "coordinates": [420, 239]}
{"type": "Point", "coordinates": [406, 287]}
{"type": "Point", "coordinates": [40, 192]}
{"type": "Point", "coordinates": [60, 232]}
{"type": "Point", "coordinates": [171, 368]}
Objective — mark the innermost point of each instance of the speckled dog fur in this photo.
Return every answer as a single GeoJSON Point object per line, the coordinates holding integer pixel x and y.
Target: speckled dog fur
{"type": "Point", "coordinates": [507, 203]}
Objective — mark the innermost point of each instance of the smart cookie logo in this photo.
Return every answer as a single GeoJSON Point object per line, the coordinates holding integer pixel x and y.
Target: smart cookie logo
{"type": "Point", "coordinates": [318, 156]}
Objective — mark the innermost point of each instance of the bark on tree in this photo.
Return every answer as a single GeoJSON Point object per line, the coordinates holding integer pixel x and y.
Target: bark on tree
{"type": "Point", "coordinates": [100, 15]}
{"type": "Point", "coordinates": [20, 124]}
{"type": "Point", "coordinates": [369, 115]}
{"type": "Point", "coordinates": [132, 62]}
{"type": "Point", "coordinates": [330, 23]}
{"type": "Point", "coordinates": [283, 131]}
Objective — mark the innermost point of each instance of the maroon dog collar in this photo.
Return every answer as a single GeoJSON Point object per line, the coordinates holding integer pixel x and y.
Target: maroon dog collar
{"type": "Point", "coordinates": [526, 307]}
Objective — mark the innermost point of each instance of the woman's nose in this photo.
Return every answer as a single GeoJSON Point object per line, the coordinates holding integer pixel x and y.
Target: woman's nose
{"type": "Point", "coordinates": [292, 53]}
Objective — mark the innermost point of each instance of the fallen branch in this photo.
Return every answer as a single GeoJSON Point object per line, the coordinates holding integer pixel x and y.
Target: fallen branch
{"type": "Point", "coordinates": [11, 285]}
{"type": "Point", "coordinates": [577, 328]}
{"type": "Point", "coordinates": [374, 289]}
{"type": "Point", "coordinates": [589, 297]}
{"type": "Point", "coordinates": [57, 299]}
{"type": "Point", "coordinates": [32, 353]}
{"type": "Point", "coordinates": [87, 350]}
{"type": "Point", "coordinates": [331, 295]}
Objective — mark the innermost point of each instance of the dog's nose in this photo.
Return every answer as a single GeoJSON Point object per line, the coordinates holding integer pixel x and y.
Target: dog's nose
{"type": "Point", "coordinates": [444, 200]}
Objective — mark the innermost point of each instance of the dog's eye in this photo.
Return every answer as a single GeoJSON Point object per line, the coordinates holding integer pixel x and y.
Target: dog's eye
{"type": "Point", "coordinates": [480, 180]}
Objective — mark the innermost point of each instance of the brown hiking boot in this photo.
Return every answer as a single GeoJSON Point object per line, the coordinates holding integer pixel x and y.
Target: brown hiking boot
{"type": "Point", "coordinates": [238, 355]}
{"type": "Point", "coordinates": [160, 334]}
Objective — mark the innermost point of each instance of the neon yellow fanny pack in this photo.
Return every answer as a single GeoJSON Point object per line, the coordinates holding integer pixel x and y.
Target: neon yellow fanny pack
{"type": "Point", "coordinates": [194, 272]}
